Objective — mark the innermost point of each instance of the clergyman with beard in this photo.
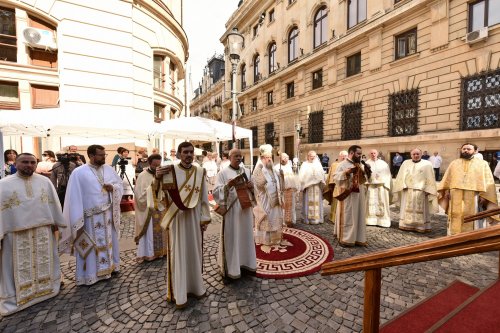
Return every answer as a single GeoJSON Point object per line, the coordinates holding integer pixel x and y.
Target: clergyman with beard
{"type": "Point", "coordinates": [350, 178]}
{"type": "Point", "coordinates": [92, 208]}
{"type": "Point", "coordinates": [467, 188]}
{"type": "Point", "coordinates": [30, 215]}
{"type": "Point", "coordinates": [416, 191]}
{"type": "Point", "coordinates": [268, 212]}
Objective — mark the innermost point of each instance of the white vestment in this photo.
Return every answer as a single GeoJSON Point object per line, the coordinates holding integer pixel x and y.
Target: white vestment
{"type": "Point", "coordinates": [94, 217]}
{"type": "Point", "coordinates": [211, 168]}
{"type": "Point", "coordinates": [268, 213]}
{"type": "Point", "coordinates": [291, 186]}
{"type": "Point", "coordinates": [378, 193]}
{"type": "Point", "coordinates": [312, 181]}
{"type": "Point", "coordinates": [29, 260]}
{"type": "Point", "coordinates": [185, 258]}
{"type": "Point", "coordinates": [237, 247]}
{"type": "Point", "coordinates": [416, 188]}
{"type": "Point", "coordinates": [151, 239]}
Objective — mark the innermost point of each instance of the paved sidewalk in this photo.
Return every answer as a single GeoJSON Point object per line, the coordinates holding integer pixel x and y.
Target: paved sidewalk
{"type": "Point", "coordinates": [135, 300]}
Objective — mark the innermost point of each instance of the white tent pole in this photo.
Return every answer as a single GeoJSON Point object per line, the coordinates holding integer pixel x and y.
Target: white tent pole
{"type": "Point", "coordinates": [2, 160]}
{"type": "Point", "coordinates": [162, 145]}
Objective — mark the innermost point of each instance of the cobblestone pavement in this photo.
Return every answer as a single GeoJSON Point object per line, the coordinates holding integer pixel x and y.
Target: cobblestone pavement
{"type": "Point", "coordinates": [135, 300]}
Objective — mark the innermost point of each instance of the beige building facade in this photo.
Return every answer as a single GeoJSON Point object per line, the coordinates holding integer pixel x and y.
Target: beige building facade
{"type": "Point", "coordinates": [102, 60]}
{"type": "Point", "coordinates": [388, 74]}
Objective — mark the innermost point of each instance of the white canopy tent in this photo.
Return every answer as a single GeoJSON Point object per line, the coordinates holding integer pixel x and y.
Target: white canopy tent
{"type": "Point", "coordinates": [55, 123]}
{"type": "Point", "coordinates": [202, 129]}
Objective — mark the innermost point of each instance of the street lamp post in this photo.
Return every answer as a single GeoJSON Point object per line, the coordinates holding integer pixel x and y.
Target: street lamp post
{"type": "Point", "coordinates": [235, 42]}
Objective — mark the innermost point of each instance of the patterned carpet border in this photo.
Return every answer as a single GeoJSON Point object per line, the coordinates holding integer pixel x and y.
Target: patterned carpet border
{"type": "Point", "coordinates": [315, 251]}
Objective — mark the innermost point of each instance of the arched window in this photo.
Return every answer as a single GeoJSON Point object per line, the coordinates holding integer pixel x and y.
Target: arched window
{"type": "Point", "coordinates": [293, 44]}
{"type": "Point", "coordinates": [243, 77]}
{"type": "Point", "coordinates": [320, 26]}
{"type": "Point", "coordinates": [256, 72]}
{"type": "Point", "coordinates": [272, 57]}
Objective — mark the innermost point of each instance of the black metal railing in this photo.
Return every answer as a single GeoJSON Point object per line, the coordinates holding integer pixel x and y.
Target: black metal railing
{"type": "Point", "coordinates": [480, 101]}
{"type": "Point", "coordinates": [316, 127]}
{"type": "Point", "coordinates": [403, 113]}
{"type": "Point", "coordinates": [351, 121]}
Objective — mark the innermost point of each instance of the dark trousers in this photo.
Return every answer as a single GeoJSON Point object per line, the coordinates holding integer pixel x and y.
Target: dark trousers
{"type": "Point", "coordinates": [436, 173]}
{"type": "Point", "coordinates": [395, 171]}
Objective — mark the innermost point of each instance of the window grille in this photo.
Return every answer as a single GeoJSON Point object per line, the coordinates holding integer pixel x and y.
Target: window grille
{"type": "Point", "coordinates": [316, 127]}
{"type": "Point", "coordinates": [403, 113]}
{"type": "Point", "coordinates": [351, 121]}
{"type": "Point", "coordinates": [480, 101]}
{"type": "Point", "coordinates": [269, 131]}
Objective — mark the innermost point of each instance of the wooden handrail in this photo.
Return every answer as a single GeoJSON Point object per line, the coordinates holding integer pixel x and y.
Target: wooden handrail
{"type": "Point", "coordinates": [477, 241]}
{"type": "Point", "coordinates": [471, 242]}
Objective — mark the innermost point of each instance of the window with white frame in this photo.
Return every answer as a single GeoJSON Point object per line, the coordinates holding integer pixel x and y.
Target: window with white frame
{"type": "Point", "coordinates": [483, 13]}
{"type": "Point", "coordinates": [406, 44]}
{"type": "Point", "coordinates": [8, 37]}
{"type": "Point", "coordinates": [159, 72]}
{"type": "Point", "coordinates": [9, 95]}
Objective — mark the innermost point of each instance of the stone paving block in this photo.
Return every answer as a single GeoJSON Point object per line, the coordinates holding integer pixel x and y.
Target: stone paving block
{"type": "Point", "coordinates": [135, 300]}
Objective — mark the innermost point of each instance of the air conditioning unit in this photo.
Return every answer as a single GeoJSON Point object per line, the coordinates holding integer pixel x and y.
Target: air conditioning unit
{"type": "Point", "coordinates": [476, 36]}
{"type": "Point", "coordinates": [40, 38]}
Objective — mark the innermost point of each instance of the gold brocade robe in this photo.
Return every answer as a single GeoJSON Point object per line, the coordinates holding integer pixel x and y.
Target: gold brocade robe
{"type": "Point", "coordinates": [29, 261]}
{"type": "Point", "coordinates": [415, 192]}
{"type": "Point", "coordinates": [328, 192]}
{"type": "Point", "coordinates": [145, 234]}
{"type": "Point", "coordinates": [466, 181]}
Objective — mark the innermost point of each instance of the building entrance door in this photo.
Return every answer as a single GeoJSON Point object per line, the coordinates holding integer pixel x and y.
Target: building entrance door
{"type": "Point", "coordinates": [289, 146]}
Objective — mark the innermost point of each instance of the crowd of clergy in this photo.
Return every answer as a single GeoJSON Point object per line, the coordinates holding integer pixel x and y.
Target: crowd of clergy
{"type": "Point", "coordinates": [172, 210]}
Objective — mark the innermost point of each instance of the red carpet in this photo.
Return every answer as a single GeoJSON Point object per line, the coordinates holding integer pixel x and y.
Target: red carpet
{"type": "Point", "coordinates": [428, 312]}
{"type": "Point", "coordinates": [304, 255]}
{"type": "Point", "coordinates": [127, 206]}
{"type": "Point", "coordinates": [482, 314]}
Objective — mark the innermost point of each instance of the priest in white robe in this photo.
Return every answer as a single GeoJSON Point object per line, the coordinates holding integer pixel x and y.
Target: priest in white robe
{"type": "Point", "coordinates": [312, 182]}
{"type": "Point", "coordinates": [291, 186]}
{"type": "Point", "coordinates": [30, 213]}
{"type": "Point", "coordinates": [350, 178]}
{"type": "Point", "coordinates": [233, 196]}
{"type": "Point", "coordinates": [378, 191]}
{"type": "Point", "coordinates": [187, 216]}
{"type": "Point", "coordinates": [150, 237]}
{"type": "Point", "coordinates": [416, 190]}
{"type": "Point", "coordinates": [92, 208]}
{"type": "Point", "coordinates": [268, 212]}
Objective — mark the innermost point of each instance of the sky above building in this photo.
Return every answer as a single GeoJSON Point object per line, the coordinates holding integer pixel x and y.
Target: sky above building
{"type": "Point", "coordinates": [204, 23]}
